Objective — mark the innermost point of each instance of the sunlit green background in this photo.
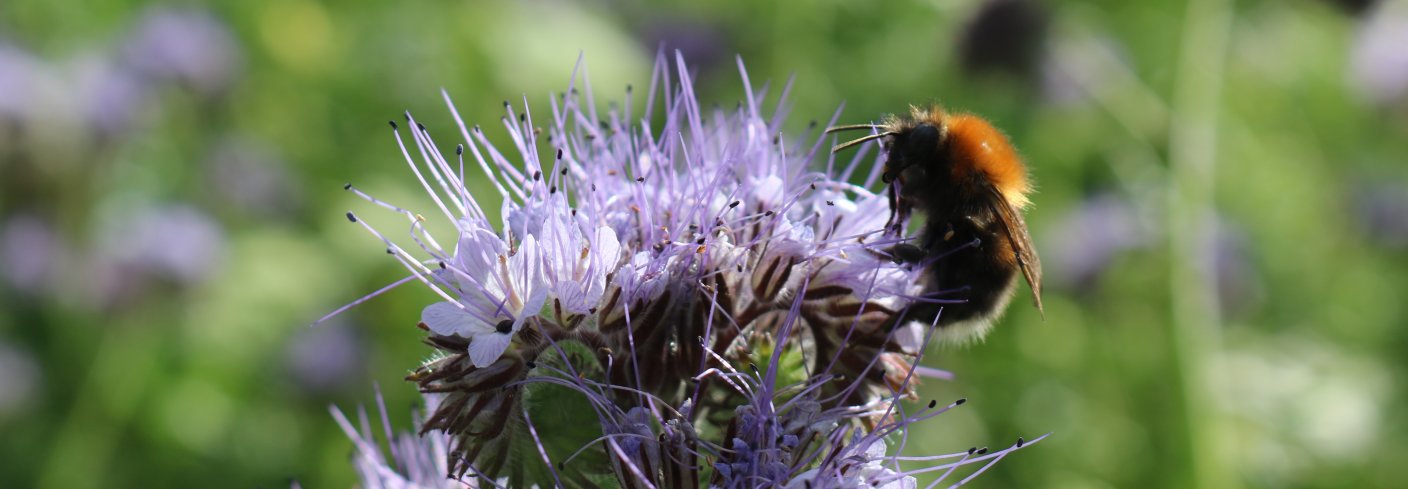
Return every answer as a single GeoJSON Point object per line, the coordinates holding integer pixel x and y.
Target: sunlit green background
{"type": "Point", "coordinates": [1223, 216]}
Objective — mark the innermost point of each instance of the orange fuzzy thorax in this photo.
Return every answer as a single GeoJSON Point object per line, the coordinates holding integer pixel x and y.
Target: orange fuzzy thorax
{"type": "Point", "coordinates": [976, 145]}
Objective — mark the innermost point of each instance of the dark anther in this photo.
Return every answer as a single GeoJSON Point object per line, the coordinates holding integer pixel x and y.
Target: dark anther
{"type": "Point", "coordinates": [813, 186]}
{"type": "Point", "coordinates": [522, 117]}
{"type": "Point", "coordinates": [477, 129]}
{"type": "Point", "coordinates": [591, 311]}
{"type": "Point", "coordinates": [971, 450]}
{"type": "Point", "coordinates": [769, 213]}
{"type": "Point", "coordinates": [699, 241]}
{"type": "Point", "coordinates": [628, 88]}
{"type": "Point", "coordinates": [420, 126]}
{"type": "Point", "coordinates": [406, 114]}
{"type": "Point", "coordinates": [1021, 441]}
{"type": "Point", "coordinates": [982, 451]}
{"type": "Point", "coordinates": [505, 104]}
{"type": "Point", "coordinates": [574, 212]}
{"type": "Point", "coordinates": [830, 203]}
{"type": "Point", "coordinates": [390, 251]}
{"type": "Point", "coordinates": [734, 204]}
{"type": "Point", "coordinates": [960, 402]}
{"type": "Point", "coordinates": [393, 124]}
{"type": "Point", "coordinates": [537, 175]}
{"type": "Point", "coordinates": [442, 265]}
{"type": "Point", "coordinates": [531, 364]}
{"type": "Point", "coordinates": [559, 153]}
{"type": "Point", "coordinates": [552, 190]}
{"type": "Point", "coordinates": [347, 187]}
{"type": "Point", "coordinates": [563, 172]}
{"type": "Point", "coordinates": [593, 187]}
{"type": "Point", "coordinates": [777, 138]}
{"type": "Point", "coordinates": [812, 124]}
{"type": "Point", "coordinates": [640, 179]}
{"type": "Point", "coordinates": [351, 217]}
{"type": "Point", "coordinates": [505, 326]}
{"type": "Point", "coordinates": [932, 403]}
{"type": "Point", "coordinates": [459, 149]}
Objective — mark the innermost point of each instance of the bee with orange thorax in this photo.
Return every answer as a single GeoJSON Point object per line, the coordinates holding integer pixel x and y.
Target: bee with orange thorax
{"type": "Point", "coordinates": [970, 184]}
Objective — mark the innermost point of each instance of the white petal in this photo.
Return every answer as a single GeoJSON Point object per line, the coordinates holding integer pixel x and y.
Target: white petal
{"type": "Point", "coordinates": [487, 348]}
{"type": "Point", "coordinates": [608, 249]}
{"type": "Point", "coordinates": [525, 264]}
{"type": "Point", "coordinates": [447, 319]}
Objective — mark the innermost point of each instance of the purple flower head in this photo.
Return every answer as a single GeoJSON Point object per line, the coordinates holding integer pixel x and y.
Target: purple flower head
{"type": "Point", "coordinates": [639, 266]}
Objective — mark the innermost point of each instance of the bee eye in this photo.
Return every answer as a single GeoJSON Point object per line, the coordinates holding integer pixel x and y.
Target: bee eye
{"type": "Point", "coordinates": [924, 140]}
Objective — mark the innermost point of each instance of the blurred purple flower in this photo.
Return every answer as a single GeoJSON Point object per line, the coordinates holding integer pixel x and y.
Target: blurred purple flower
{"type": "Point", "coordinates": [417, 461]}
{"type": "Point", "coordinates": [706, 45]}
{"type": "Point", "coordinates": [1239, 286]}
{"type": "Point", "coordinates": [19, 77]}
{"type": "Point", "coordinates": [30, 253]}
{"type": "Point", "coordinates": [1378, 59]}
{"type": "Point", "coordinates": [175, 242]}
{"type": "Point", "coordinates": [113, 97]}
{"type": "Point", "coordinates": [325, 359]}
{"type": "Point", "coordinates": [184, 45]}
{"type": "Point", "coordinates": [1382, 211]}
{"type": "Point", "coordinates": [1091, 237]}
{"type": "Point", "coordinates": [250, 176]}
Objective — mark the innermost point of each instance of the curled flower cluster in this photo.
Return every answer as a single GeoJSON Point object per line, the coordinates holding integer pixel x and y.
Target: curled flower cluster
{"type": "Point", "coordinates": [673, 298]}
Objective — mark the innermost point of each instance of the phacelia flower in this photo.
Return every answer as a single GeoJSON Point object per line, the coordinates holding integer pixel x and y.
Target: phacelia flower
{"type": "Point", "coordinates": [673, 297]}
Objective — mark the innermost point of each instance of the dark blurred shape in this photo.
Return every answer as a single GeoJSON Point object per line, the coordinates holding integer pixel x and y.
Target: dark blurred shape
{"type": "Point", "coordinates": [29, 254]}
{"type": "Point", "coordinates": [250, 176]}
{"type": "Point", "coordinates": [1239, 288]}
{"type": "Point", "coordinates": [705, 45]}
{"type": "Point", "coordinates": [1381, 210]}
{"type": "Point", "coordinates": [1087, 240]}
{"type": "Point", "coordinates": [19, 378]}
{"type": "Point", "coordinates": [326, 358]}
{"type": "Point", "coordinates": [1004, 37]}
{"type": "Point", "coordinates": [1355, 7]}
{"type": "Point", "coordinates": [1379, 57]}
{"type": "Point", "coordinates": [184, 45]}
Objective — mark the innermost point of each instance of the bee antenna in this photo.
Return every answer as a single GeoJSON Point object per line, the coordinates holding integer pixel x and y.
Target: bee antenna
{"type": "Point", "coordinates": [854, 142]}
{"type": "Point", "coordinates": [852, 127]}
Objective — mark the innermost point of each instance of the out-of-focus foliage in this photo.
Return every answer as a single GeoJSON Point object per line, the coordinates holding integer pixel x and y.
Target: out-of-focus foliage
{"type": "Point", "coordinates": [1223, 215]}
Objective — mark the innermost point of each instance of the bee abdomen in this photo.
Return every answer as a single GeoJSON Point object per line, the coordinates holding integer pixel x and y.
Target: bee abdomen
{"type": "Point", "coordinates": [970, 276]}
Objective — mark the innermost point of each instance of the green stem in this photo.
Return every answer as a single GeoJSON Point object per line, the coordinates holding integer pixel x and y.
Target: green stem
{"type": "Point", "coordinates": [1197, 335]}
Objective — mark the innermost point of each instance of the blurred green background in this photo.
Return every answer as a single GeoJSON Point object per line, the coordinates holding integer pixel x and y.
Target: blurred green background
{"type": "Point", "coordinates": [1222, 212]}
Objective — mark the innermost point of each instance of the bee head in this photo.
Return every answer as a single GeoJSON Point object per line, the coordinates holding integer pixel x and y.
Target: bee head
{"type": "Point", "coordinates": [918, 146]}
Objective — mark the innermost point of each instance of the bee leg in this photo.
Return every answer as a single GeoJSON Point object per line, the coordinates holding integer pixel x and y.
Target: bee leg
{"type": "Point", "coordinates": [907, 253]}
{"type": "Point", "coordinates": [899, 213]}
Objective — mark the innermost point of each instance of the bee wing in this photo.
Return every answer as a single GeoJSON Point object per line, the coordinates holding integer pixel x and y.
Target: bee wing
{"type": "Point", "coordinates": [1021, 242]}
